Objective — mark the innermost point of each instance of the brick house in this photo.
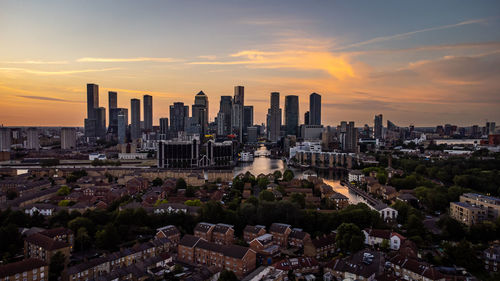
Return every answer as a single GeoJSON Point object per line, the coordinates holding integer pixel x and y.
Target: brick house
{"type": "Point", "coordinates": [253, 231]}
{"type": "Point", "coordinates": [171, 232]}
{"type": "Point", "coordinates": [264, 245]}
{"type": "Point", "coordinates": [298, 238]}
{"type": "Point", "coordinates": [204, 230]}
{"type": "Point", "coordinates": [136, 185]}
{"type": "Point", "coordinates": [61, 234]}
{"type": "Point", "coordinates": [321, 246]}
{"type": "Point", "coordinates": [223, 234]}
{"type": "Point", "coordinates": [280, 232]}
{"type": "Point", "coordinates": [29, 270]}
{"type": "Point", "coordinates": [42, 247]}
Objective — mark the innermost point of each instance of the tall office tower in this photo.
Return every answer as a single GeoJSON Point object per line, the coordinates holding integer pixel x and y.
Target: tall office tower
{"type": "Point", "coordinates": [122, 124]}
{"type": "Point", "coordinates": [32, 140]}
{"type": "Point", "coordinates": [112, 103]}
{"type": "Point", "coordinates": [68, 138]}
{"type": "Point", "coordinates": [247, 117]}
{"type": "Point", "coordinates": [350, 137]}
{"type": "Point", "coordinates": [490, 128]}
{"type": "Point", "coordinates": [178, 115]}
{"type": "Point", "coordinates": [135, 119]}
{"type": "Point", "coordinates": [163, 128]}
{"type": "Point", "coordinates": [5, 139]}
{"type": "Point", "coordinates": [291, 114]}
{"type": "Point", "coordinates": [226, 107]}
{"type": "Point", "coordinates": [221, 122]}
{"type": "Point", "coordinates": [274, 117]}
{"type": "Point", "coordinates": [377, 128]}
{"type": "Point", "coordinates": [90, 122]}
{"type": "Point", "coordinates": [314, 109]}
{"type": "Point", "coordinates": [100, 122]}
{"type": "Point", "coordinates": [306, 118]}
{"type": "Point", "coordinates": [239, 101]}
{"type": "Point", "coordinates": [148, 112]}
{"type": "Point", "coordinates": [200, 111]}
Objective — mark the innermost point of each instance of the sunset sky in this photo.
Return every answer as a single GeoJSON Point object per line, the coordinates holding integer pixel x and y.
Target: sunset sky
{"type": "Point", "coordinates": [416, 62]}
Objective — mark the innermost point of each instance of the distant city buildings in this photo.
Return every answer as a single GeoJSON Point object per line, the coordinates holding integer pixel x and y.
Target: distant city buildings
{"type": "Point", "coordinates": [291, 114]}
{"type": "Point", "coordinates": [237, 112]}
{"type": "Point", "coordinates": [68, 138]}
{"type": "Point", "coordinates": [377, 128]}
{"type": "Point", "coordinates": [5, 139]}
{"type": "Point", "coordinates": [314, 109]}
{"type": "Point", "coordinates": [135, 119]}
{"type": "Point", "coordinates": [148, 112]}
{"type": "Point", "coordinates": [32, 139]}
{"type": "Point", "coordinates": [178, 115]}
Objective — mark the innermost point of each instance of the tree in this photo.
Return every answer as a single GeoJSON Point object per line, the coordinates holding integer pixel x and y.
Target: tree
{"type": "Point", "coordinates": [277, 174]}
{"type": "Point", "coordinates": [79, 222]}
{"type": "Point", "coordinates": [382, 178]}
{"type": "Point", "coordinates": [11, 194]}
{"type": "Point", "coordinates": [63, 191]}
{"type": "Point", "coordinates": [195, 202]}
{"type": "Point", "coordinates": [385, 245]}
{"type": "Point", "coordinates": [57, 262]}
{"type": "Point", "coordinates": [288, 175]}
{"type": "Point", "coordinates": [263, 182]}
{"type": "Point", "coordinates": [157, 182]}
{"type": "Point", "coordinates": [180, 184]}
{"type": "Point", "coordinates": [299, 199]}
{"type": "Point", "coordinates": [190, 191]}
{"type": "Point", "coordinates": [82, 238]}
{"type": "Point", "coordinates": [107, 238]}
{"type": "Point", "coordinates": [349, 237]}
{"type": "Point", "coordinates": [266, 195]}
{"type": "Point", "coordinates": [227, 275]}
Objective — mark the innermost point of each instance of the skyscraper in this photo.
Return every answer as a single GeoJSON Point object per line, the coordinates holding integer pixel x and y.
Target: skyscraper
{"type": "Point", "coordinates": [100, 122]}
{"type": "Point", "coordinates": [274, 125]}
{"type": "Point", "coordinates": [112, 103]}
{"type": "Point", "coordinates": [90, 123]}
{"type": "Point", "coordinates": [68, 138]}
{"type": "Point", "coordinates": [314, 109]}
{"type": "Point", "coordinates": [148, 112]}
{"type": "Point", "coordinates": [291, 114]}
{"type": "Point", "coordinates": [377, 128]}
{"type": "Point", "coordinates": [178, 115]}
{"type": "Point", "coordinates": [238, 105]}
{"type": "Point", "coordinates": [135, 119]}
{"type": "Point", "coordinates": [200, 111]}
{"type": "Point", "coordinates": [348, 136]}
{"type": "Point", "coordinates": [5, 139]}
{"type": "Point", "coordinates": [32, 139]}
{"type": "Point", "coordinates": [163, 128]}
{"type": "Point", "coordinates": [306, 118]}
{"type": "Point", "coordinates": [122, 124]}
{"type": "Point", "coordinates": [226, 107]}
{"type": "Point", "coordinates": [247, 116]}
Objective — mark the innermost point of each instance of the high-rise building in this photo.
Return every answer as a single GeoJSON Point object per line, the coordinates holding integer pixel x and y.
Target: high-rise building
{"type": "Point", "coordinates": [306, 118]}
{"type": "Point", "coordinates": [112, 103]}
{"type": "Point", "coordinates": [238, 105]}
{"type": "Point", "coordinates": [5, 139]}
{"type": "Point", "coordinates": [292, 114]}
{"type": "Point", "coordinates": [178, 115]}
{"type": "Point", "coordinates": [148, 112]}
{"type": "Point", "coordinates": [100, 122]}
{"type": "Point", "coordinates": [252, 134]}
{"type": "Point", "coordinates": [32, 139]}
{"type": "Point", "coordinates": [490, 128]}
{"type": "Point", "coordinates": [135, 119]}
{"type": "Point", "coordinates": [226, 107]}
{"type": "Point", "coordinates": [200, 111]}
{"type": "Point", "coordinates": [314, 109]}
{"type": "Point", "coordinates": [348, 136]}
{"type": "Point", "coordinates": [68, 138]}
{"type": "Point", "coordinates": [163, 128]}
{"type": "Point", "coordinates": [377, 128]}
{"type": "Point", "coordinates": [274, 117]}
{"type": "Point", "coordinates": [90, 122]}
{"type": "Point", "coordinates": [122, 124]}
{"type": "Point", "coordinates": [247, 116]}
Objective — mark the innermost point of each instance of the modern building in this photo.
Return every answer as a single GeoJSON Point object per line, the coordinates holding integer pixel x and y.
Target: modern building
{"type": "Point", "coordinates": [200, 111]}
{"type": "Point", "coordinates": [488, 203]}
{"type": "Point", "coordinates": [68, 138]}
{"type": "Point", "coordinates": [238, 106]}
{"type": "Point", "coordinates": [92, 104]}
{"type": "Point", "coordinates": [348, 136]}
{"type": "Point", "coordinates": [314, 109]}
{"type": "Point", "coordinates": [178, 154]}
{"type": "Point", "coordinates": [221, 124]}
{"type": "Point", "coordinates": [100, 122]}
{"type": "Point", "coordinates": [5, 139]}
{"type": "Point", "coordinates": [226, 107]}
{"type": "Point", "coordinates": [292, 115]}
{"type": "Point", "coordinates": [247, 117]}
{"type": "Point", "coordinates": [135, 119]}
{"type": "Point", "coordinates": [252, 134]}
{"type": "Point", "coordinates": [163, 128]}
{"type": "Point", "coordinates": [311, 132]}
{"type": "Point", "coordinates": [112, 103]}
{"type": "Point", "coordinates": [377, 128]}
{"type": "Point", "coordinates": [274, 120]}
{"type": "Point", "coordinates": [219, 154]}
{"type": "Point", "coordinates": [178, 115]}
{"type": "Point", "coordinates": [148, 112]}
{"type": "Point", "coordinates": [122, 125]}
{"type": "Point", "coordinates": [306, 118]}
{"type": "Point", "coordinates": [32, 139]}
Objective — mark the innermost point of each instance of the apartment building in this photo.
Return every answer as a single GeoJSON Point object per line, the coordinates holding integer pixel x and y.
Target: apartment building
{"type": "Point", "coordinates": [42, 247]}
{"type": "Point", "coordinates": [223, 234]}
{"type": "Point", "coordinates": [204, 230]}
{"type": "Point", "coordinates": [280, 232]}
{"type": "Point", "coordinates": [489, 203]}
{"type": "Point", "coordinates": [253, 231]}
{"type": "Point", "coordinates": [467, 213]}
{"type": "Point", "coordinates": [170, 232]}
{"type": "Point", "coordinates": [26, 270]}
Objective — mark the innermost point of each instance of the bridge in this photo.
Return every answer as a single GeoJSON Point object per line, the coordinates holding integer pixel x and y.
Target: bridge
{"type": "Point", "coordinates": [363, 194]}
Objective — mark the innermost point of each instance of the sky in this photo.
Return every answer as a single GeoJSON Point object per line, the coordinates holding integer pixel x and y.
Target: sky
{"type": "Point", "coordinates": [416, 62]}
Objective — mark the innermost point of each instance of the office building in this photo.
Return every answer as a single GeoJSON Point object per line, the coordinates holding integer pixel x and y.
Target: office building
{"type": "Point", "coordinates": [311, 132]}
{"type": "Point", "coordinates": [291, 115]}
{"type": "Point", "coordinates": [274, 125]}
{"type": "Point", "coordinates": [178, 115]}
{"type": "Point", "coordinates": [90, 122]}
{"type": "Point", "coordinates": [221, 124]}
{"type": "Point", "coordinates": [178, 154]}
{"type": "Point", "coordinates": [5, 139]}
{"type": "Point", "coordinates": [306, 118]}
{"type": "Point", "coordinates": [226, 107]}
{"type": "Point", "coordinates": [314, 109]}
{"type": "Point", "coordinates": [238, 105]}
{"type": "Point", "coordinates": [135, 119]}
{"type": "Point", "coordinates": [163, 128]}
{"type": "Point", "coordinates": [252, 134]}
{"type": "Point", "coordinates": [32, 139]}
{"type": "Point", "coordinates": [219, 154]}
{"type": "Point", "coordinates": [68, 138]}
{"type": "Point", "coordinates": [112, 103]}
{"type": "Point", "coordinates": [100, 122]}
{"type": "Point", "coordinates": [122, 125]}
{"type": "Point", "coordinates": [377, 128]}
{"type": "Point", "coordinates": [148, 112]}
{"type": "Point", "coordinates": [200, 110]}
{"type": "Point", "coordinates": [247, 117]}
{"type": "Point", "coordinates": [348, 135]}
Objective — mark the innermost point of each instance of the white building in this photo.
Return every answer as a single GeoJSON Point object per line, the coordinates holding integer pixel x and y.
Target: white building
{"type": "Point", "coordinates": [356, 176]}
{"type": "Point", "coordinates": [42, 209]}
{"type": "Point", "coordinates": [132, 156]}
{"type": "Point", "coordinates": [97, 156]}
{"type": "Point", "coordinates": [375, 237]}
{"type": "Point", "coordinates": [387, 213]}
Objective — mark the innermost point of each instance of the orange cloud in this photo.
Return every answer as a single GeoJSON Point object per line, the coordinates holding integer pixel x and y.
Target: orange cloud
{"type": "Point", "coordinates": [138, 59]}
{"type": "Point", "coordinates": [61, 72]}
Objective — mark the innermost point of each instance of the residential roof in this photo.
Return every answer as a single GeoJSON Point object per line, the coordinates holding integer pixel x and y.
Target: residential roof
{"type": "Point", "coordinates": [20, 267]}
{"type": "Point", "coordinates": [189, 240]}
{"type": "Point", "coordinates": [45, 242]}
{"type": "Point", "coordinates": [254, 228]}
{"type": "Point", "coordinates": [169, 230]}
{"type": "Point", "coordinates": [222, 228]}
{"type": "Point", "coordinates": [203, 227]}
{"type": "Point", "coordinates": [279, 227]}
{"type": "Point", "coordinates": [54, 232]}
{"type": "Point", "coordinates": [298, 234]}
{"type": "Point", "coordinates": [324, 240]}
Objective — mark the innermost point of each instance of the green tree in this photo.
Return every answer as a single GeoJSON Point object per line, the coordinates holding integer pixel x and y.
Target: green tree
{"type": "Point", "coordinates": [157, 182]}
{"type": "Point", "coordinates": [227, 275]}
{"type": "Point", "coordinates": [288, 175]}
{"type": "Point", "coordinates": [266, 195]}
{"type": "Point", "coordinates": [180, 184]}
{"type": "Point", "coordinates": [277, 174]}
{"type": "Point", "coordinates": [299, 199]}
{"type": "Point", "coordinates": [57, 262]}
{"type": "Point", "coordinates": [349, 237]}
{"type": "Point", "coordinates": [190, 191]}
{"type": "Point", "coordinates": [82, 239]}
{"type": "Point", "coordinates": [382, 178]}
{"type": "Point", "coordinates": [252, 200]}
{"type": "Point", "coordinates": [262, 182]}
{"type": "Point", "coordinates": [107, 238]}
{"type": "Point", "coordinates": [79, 222]}
{"type": "Point", "coordinates": [63, 191]}
{"type": "Point", "coordinates": [195, 202]}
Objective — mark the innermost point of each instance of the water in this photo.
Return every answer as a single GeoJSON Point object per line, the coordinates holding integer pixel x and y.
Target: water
{"type": "Point", "coordinates": [264, 165]}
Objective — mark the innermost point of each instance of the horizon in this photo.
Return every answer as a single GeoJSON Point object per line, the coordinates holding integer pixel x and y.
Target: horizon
{"type": "Point", "coordinates": [422, 63]}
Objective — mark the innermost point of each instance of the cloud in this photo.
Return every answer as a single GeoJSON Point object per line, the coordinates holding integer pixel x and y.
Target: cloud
{"type": "Point", "coordinates": [336, 65]}
{"type": "Point", "coordinates": [406, 34]}
{"type": "Point", "coordinates": [138, 59]}
{"type": "Point", "coordinates": [47, 98]}
{"type": "Point", "coordinates": [61, 72]}
{"type": "Point", "coordinates": [35, 62]}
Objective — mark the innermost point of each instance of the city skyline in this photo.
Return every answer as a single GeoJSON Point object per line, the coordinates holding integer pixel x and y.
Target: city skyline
{"type": "Point", "coordinates": [438, 65]}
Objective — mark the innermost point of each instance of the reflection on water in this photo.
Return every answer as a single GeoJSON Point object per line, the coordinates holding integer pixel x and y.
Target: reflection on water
{"type": "Point", "coordinates": [337, 187]}
{"type": "Point", "coordinates": [261, 165]}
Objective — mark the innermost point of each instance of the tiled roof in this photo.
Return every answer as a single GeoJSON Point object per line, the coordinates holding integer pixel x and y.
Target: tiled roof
{"type": "Point", "coordinates": [324, 240]}
{"type": "Point", "coordinates": [203, 227]}
{"type": "Point", "coordinates": [51, 233]}
{"type": "Point", "coordinates": [254, 228]}
{"type": "Point", "coordinates": [189, 240]}
{"type": "Point", "coordinates": [20, 267]}
{"type": "Point", "coordinates": [45, 242]}
{"type": "Point", "coordinates": [279, 227]}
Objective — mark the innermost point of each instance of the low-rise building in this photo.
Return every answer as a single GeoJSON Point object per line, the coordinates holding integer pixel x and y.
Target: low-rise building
{"type": "Point", "coordinates": [363, 265]}
{"type": "Point", "coordinates": [280, 232]}
{"type": "Point", "coordinates": [466, 213]}
{"type": "Point", "coordinates": [321, 246]}
{"type": "Point", "coordinates": [298, 238]}
{"type": "Point", "coordinates": [356, 176]}
{"type": "Point", "coordinates": [223, 234]}
{"type": "Point", "coordinates": [491, 258]}
{"type": "Point", "coordinates": [204, 230]}
{"type": "Point", "coordinates": [170, 232]}
{"type": "Point", "coordinates": [375, 237]}
{"type": "Point", "coordinates": [253, 231]}
{"type": "Point", "coordinates": [26, 270]}
{"type": "Point", "coordinates": [264, 245]}
{"type": "Point", "coordinates": [42, 247]}
{"type": "Point", "coordinates": [489, 203]}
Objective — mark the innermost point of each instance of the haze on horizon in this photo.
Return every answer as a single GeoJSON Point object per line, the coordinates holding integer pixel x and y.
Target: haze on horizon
{"type": "Point", "coordinates": [419, 62]}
